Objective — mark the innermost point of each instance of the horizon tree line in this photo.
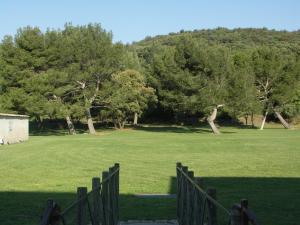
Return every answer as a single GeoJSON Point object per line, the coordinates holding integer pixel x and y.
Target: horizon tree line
{"type": "Point", "coordinates": [79, 73]}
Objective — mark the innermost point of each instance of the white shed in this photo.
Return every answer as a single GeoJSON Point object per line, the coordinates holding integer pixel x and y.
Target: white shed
{"type": "Point", "coordinates": [13, 128]}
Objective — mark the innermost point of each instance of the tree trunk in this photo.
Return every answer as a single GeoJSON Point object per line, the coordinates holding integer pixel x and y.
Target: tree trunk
{"type": "Point", "coordinates": [121, 124]}
{"type": "Point", "coordinates": [70, 125]}
{"type": "Point", "coordinates": [282, 120]}
{"type": "Point", "coordinates": [264, 120]}
{"type": "Point", "coordinates": [39, 120]}
{"type": "Point", "coordinates": [246, 119]}
{"type": "Point", "coordinates": [90, 121]}
{"type": "Point", "coordinates": [213, 127]}
{"type": "Point", "coordinates": [211, 120]}
{"type": "Point", "coordinates": [252, 120]}
{"type": "Point", "coordinates": [135, 119]}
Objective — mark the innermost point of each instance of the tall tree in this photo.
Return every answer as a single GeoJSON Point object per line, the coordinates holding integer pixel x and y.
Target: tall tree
{"type": "Point", "coordinates": [242, 100]}
{"type": "Point", "coordinates": [275, 80]}
{"type": "Point", "coordinates": [90, 58]}
{"type": "Point", "coordinates": [126, 95]}
{"type": "Point", "coordinates": [57, 93]}
{"type": "Point", "coordinates": [23, 57]}
{"type": "Point", "coordinates": [212, 90]}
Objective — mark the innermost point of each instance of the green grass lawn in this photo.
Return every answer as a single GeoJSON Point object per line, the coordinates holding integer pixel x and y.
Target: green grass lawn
{"type": "Point", "coordinates": [262, 166]}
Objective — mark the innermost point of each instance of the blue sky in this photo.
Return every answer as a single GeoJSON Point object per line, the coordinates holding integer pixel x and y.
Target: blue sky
{"type": "Point", "coordinates": [132, 20]}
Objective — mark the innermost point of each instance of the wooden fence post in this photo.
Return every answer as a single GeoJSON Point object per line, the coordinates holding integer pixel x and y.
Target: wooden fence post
{"type": "Point", "coordinates": [212, 209]}
{"type": "Point", "coordinates": [178, 191]}
{"type": "Point", "coordinates": [235, 217]}
{"type": "Point", "coordinates": [105, 199]}
{"type": "Point", "coordinates": [184, 195]}
{"type": "Point", "coordinates": [112, 195]}
{"type": "Point", "coordinates": [198, 201]}
{"type": "Point", "coordinates": [117, 184]}
{"type": "Point", "coordinates": [190, 197]}
{"type": "Point", "coordinates": [81, 210]}
{"type": "Point", "coordinates": [116, 219]}
{"type": "Point", "coordinates": [192, 202]}
{"type": "Point", "coordinates": [244, 205]}
{"type": "Point", "coordinates": [96, 187]}
{"type": "Point", "coordinates": [47, 212]}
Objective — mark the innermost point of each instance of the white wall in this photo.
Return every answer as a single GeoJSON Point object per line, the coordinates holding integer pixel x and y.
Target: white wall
{"type": "Point", "coordinates": [13, 129]}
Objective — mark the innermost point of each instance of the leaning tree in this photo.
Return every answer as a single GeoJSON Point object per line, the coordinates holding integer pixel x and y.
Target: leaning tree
{"type": "Point", "coordinates": [90, 57]}
{"type": "Point", "coordinates": [212, 84]}
{"type": "Point", "coordinates": [276, 78]}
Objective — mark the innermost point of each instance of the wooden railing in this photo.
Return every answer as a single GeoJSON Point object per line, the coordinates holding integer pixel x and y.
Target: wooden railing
{"type": "Point", "coordinates": [99, 206]}
{"type": "Point", "coordinates": [195, 206]}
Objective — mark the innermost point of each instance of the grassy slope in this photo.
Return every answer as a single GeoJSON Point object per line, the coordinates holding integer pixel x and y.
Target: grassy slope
{"type": "Point", "coordinates": [263, 166]}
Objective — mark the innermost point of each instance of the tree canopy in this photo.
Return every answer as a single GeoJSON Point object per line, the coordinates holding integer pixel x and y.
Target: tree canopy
{"type": "Point", "coordinates": [78, 73]}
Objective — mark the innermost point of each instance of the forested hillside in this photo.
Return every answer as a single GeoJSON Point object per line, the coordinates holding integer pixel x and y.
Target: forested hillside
{"type": "Point", "coordinates": [242, 71]}
{"type": "Point", "coordinates": [79, 74]}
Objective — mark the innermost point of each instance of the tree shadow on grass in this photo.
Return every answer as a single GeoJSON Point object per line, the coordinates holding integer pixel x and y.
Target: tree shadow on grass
{"type": "Point", "coordinates": [172, 129]}
{"type": "Point", "coordinates": [52, 130]}
{"type": "Point", "coordinates": [48, 132]}
{"type": "Point", "coordinates": [178, 129]}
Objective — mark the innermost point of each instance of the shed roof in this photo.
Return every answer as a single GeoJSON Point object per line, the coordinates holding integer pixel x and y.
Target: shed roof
{"type": "Point", "coordinates": [12, 115]}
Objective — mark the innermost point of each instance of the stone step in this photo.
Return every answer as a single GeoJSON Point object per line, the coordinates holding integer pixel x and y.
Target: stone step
{"type": "Point", "coordinates": [149, 222]}
{"type": "Point", "coordinates": [172, 196]}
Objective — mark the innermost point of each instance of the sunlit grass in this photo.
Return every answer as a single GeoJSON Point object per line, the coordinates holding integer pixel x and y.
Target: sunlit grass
{"type": "Point", "coordinates": [263, 166]}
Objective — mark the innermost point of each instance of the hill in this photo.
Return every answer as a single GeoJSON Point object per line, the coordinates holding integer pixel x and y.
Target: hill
{"type": "Point", "coordinates": [235, 38]}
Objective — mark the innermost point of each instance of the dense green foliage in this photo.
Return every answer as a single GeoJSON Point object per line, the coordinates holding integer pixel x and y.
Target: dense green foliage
{"type": "Point", "coordinates": [248, 70]}
{"type": "Point", "coordinates": [60, 74]}
{"type": "Point", "coordinates": [243, 163]}
{"type": "Point", "coordinates": [131, 98]}
{"type": "Point", "coordinates": [79, 73]}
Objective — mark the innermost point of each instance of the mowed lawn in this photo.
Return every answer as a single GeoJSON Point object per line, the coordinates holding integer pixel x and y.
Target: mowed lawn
{"type": "Point", "coordinates": [262, 166]}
